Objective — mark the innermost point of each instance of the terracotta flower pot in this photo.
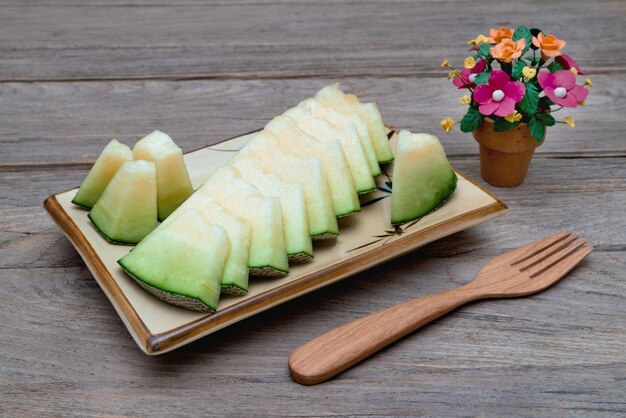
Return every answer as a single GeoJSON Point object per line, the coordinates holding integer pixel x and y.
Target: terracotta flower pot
{"type": "Point", "coordinates": [505, 156]}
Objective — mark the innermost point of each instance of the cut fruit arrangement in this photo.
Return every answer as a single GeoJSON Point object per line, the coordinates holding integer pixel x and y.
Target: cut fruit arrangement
{"type": "Point", "coordinates": [265, 207]}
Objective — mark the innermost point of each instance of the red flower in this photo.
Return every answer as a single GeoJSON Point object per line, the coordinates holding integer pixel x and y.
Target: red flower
{"type": "Point", "coordinates": [561, 88]}
{"type": "Point", "coordinates": [567, 62]}
{"type": "Point", "coordinates": [500, 96]}
{"type": "Point", "coordinates": [468, 75]}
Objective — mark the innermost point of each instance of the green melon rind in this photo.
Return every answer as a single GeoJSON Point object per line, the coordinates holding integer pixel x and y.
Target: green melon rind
{"type": "Point", "coordinates": [103, 234]}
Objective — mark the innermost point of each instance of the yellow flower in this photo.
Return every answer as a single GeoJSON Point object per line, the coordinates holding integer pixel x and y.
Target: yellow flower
{"type": "Point", "coordinates": [479, 39]}
{"type": "Point", "coordinates": [588, 82]}
{"type": "Point", "coordinates": [574, 71]}
{"type": "Point", "coordinates": [529, 73]}
{"type": "Point", "coordinates": [513, 117]}
{"type": "Point", "coordinates": [445, 63]}
{"type": "Point", "coordinates": [447, 125]}
{"type": "Point", "coordinates": [581, 104]}
{"type": "Point", "coordinates": [569, 121]}
{"type": "Point", "coordinates": [465, 100]}
{"type": "Point", "coordinates": [469, 63]}
{"type": "Point", "coordinates": [452, 74]}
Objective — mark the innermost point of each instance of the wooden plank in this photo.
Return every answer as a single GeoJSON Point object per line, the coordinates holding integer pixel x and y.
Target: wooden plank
{"type": "Point", "coordinates": [67, 123]}
{"type": "Point", "coordinates": [250, 39]}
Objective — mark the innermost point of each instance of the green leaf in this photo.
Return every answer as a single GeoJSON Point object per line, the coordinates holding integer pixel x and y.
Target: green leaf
{"type": "Point", "coordinates": [537, 128]}
{"type": "Point", "coordinates": [545, 102]}
{"type": "Point", "coordinates": [530, 101]}
{"type": "Point", "coordinates": [501, 125]}
{"type": "Point", "coordinates": [472, 120]}
{"type": "Point", "coordinates": [523, 32]}
{"type": "Point", "coordinates": [506, 67]}
{"type": "Point", "coordinates": [484, 50]}
{"type": "Point", "coordinates": [482, 78]}
{"type": "Point", "coordinates": [546, 118]}
{"type": "Point", "coordinates": [518, 67]}
{"type": "Point", "coordinates": [554, 67]}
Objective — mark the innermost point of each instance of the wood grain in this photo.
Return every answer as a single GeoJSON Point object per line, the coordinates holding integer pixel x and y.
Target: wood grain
{"type": "Point", "coordinates": [276, 39]}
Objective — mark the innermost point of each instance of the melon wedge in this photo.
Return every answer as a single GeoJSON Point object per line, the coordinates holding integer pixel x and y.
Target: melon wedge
{"type": "Point", "coordinates": [336, 170]}
{"type": "Point", "coordinates": [235, 277]}
{"type": "Point", "coordinates": [127, 210]}
{"type": "Point", "coordinates": [349, 104]}
{"type": "Point", "coordinates": [173, 183]}
{"type": "Point", "coordinates": [268, 253]}
{"type": "Point", "coordinates": [291, 195]}
{"type": "Point", "coordinates": [108, 162]}
{"type": "Point", "coordinates": [182, 263]}
{"type": "Point", "coordinates": [266, 149]}
{"type": "Point", "coordinates": [348, 126]}
{"type": "Point", "coordinates": [352, 149]}
{"type": "Point", "coordinates": [422, 177]}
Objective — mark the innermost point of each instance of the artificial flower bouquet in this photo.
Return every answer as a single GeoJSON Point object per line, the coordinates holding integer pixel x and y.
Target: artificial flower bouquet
{"type": "Point", "coordinates": [534, 80]}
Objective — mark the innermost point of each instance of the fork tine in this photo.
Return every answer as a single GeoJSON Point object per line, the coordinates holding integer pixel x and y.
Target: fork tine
{"type": "Point", "coordinates": [554, 259]}
{"type": "Point", "coordinates": [524, 253]}
{"type": "Point", "coordinates": [541, 255]}
{"type": "Point", "coordinates": [552, 275]}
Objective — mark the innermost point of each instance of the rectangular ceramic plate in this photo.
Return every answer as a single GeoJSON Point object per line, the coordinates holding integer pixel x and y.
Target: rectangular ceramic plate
{"type": "Point", "coordinates": [366, 239]}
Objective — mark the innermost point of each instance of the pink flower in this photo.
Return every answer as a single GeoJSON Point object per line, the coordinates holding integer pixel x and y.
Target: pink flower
{"type": "Point", "coordinates": [500, 96]}
{"type": "Point", "coordinates": [469, 75]}
{"type": "Point", "coordinates": [567, 62]}
{"type": "Point", "coordinates": [561, 88]}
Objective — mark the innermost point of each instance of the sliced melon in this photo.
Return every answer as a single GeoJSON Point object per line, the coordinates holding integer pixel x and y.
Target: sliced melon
{"type": "Point", "coordinates": [349, 104]}
{"type": "Point", "coordinates": [268, 253]}
{"type": "Point", "coordinates": [350, 127]}
{"type": "Point", "coordinates": [266, 149]}
{"type": "Point", "coordinates": [127, 210]}
{"type": "Point", "coordinates": [182, 263]}
{"type": "Point", "coordinates": [291, 195]}
{"type": "Point", "coordinates": [331, 156]}
{"type": "Point", "coordinates": [422, 177]}
{"type": "Point", "coordinates": [173, 183]}
{"type": "Point", "coordinates": [108, 162]}
{"type": "Point", "coordinates": [235, 277]}
{"type": "Point", "coordinates": [352, 148]}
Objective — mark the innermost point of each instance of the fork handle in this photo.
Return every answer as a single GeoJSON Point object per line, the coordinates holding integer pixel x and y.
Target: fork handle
{"type": "Point", "coordinates": [341, 348]}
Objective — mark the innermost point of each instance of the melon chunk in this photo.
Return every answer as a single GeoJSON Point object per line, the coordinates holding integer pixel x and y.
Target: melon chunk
{"type": "Point", "coordinates": [291, 195]}
{"type": "Point", "coordinates": [266, 149]}
{"type": "Point", "coordinates": [173, 183]}
{"type": "Point", "coordinates": [349, 104]}
{"type": "Point", "coordinates": [422, 177]}
{"type": "Point", "coordinates": [268, 253]}
{"type": "Point", "coordinates": [235, 277]}
{"type": "Point", "coordinates": [127, 210]}
{"type": "Point", "coordinates": [108, 162]}
{"type": "Point", "coordinates": [331, 156]}
{"type": "Point", "coordinates": [181, 263]}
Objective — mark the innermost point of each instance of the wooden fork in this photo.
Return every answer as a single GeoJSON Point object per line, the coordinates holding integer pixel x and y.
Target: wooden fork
{"type": "Point", "coordinates": [524, 271]}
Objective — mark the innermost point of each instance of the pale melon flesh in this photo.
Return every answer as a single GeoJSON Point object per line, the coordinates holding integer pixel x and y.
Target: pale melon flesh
{"type": "Point", "coordinates": [422, 177]}
{"type": "Point", "coordinates": [182, 263]}
{"type": "Point", "coordinates": [127, 210]}
{"type": "Point", "coordinates": [173, 182]}
{"type": "Point", "coordinates": [108, 162]}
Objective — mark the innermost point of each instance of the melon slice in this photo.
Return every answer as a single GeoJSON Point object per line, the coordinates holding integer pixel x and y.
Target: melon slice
{"type": "Point", "coordinates": [352, 149]}
{"type": "Point", "coordinates": [331, 156]}
{"type": "Point", "coordinates": [349, 104]}
{"type": "Point", "coordinates": [268, 253]}
{"type": "Point", "coordinates": [291, 195]}
{"type": "Point", "coordinates": [235, 277]}
{"type": "Point", "coordinates": [127, 210]}
{"type": "Point", "coordinates": [173, 183]}
{"type": "Point", "coordinates": [108, 162]}
{"type": "Point", "coordinates": [422, 177]}
{"type": "Point", "coordinates": [348, 126]}
{"type": "Point", "coordinates": [182, 263]}
{"type": "Point", "coordinates": [265, 148]}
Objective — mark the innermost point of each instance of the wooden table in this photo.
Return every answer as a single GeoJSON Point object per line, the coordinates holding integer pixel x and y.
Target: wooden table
{"type": "Point", "coordinates": [75, 74]}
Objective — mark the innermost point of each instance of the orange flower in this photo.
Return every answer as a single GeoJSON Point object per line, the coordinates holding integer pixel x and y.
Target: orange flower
{"type": "Point", "coordinates": [549, 44]}
{"type": "Point", "coordinates": [507, 50]}
{"type": "Point", "coordinates": [497, 35]}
